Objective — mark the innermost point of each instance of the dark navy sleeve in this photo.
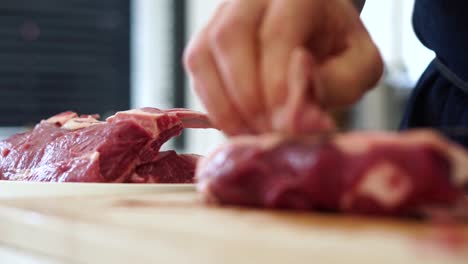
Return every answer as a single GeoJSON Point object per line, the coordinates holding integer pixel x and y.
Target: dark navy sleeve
{"type": "Point", "coordinates": [442, 25]}
{"type": "Point", "coordinates": [440, 99]}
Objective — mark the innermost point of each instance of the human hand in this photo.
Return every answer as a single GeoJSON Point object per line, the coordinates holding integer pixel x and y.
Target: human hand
{"type": "Point", "coordinates": [241, 62]}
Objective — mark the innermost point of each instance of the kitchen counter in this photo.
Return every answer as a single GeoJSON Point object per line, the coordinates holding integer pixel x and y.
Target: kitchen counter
{"type": "Point", "coordinates": [178, 228]}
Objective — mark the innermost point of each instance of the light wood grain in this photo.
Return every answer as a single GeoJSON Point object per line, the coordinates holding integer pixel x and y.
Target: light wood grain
{"type": "Point", "coordinates": [178, 228]}
{"type": "Point", "coordinates": [10, 255]}
{"type": "Point", "coordinates": [19, 189]}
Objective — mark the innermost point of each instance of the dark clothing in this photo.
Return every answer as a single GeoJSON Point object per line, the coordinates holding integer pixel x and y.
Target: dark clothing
{"type": "Point", "coordinates": [442, 25]}
{"type": "Point", "coordinates": [436, 102]}
{"type": "Point", "coordinates": [440, 99]}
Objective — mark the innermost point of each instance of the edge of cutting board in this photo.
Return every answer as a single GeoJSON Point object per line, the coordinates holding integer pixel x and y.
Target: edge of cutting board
{"type": "Point", "coordinates": [16, 189]}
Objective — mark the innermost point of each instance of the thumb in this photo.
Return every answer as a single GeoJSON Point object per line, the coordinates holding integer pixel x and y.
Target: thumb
{"type": "Point", "coordinates": [302, 112]}
{"type": "Point", "coordinates": [347, 76]}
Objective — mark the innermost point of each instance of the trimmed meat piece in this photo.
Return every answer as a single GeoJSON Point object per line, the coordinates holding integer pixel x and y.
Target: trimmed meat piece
{"type": "Point", "coordinates": [72, 148]}
{"type": "Point", "coordinates": [363, 173]}
{"type": "Point", "coordinates": [168, 168]}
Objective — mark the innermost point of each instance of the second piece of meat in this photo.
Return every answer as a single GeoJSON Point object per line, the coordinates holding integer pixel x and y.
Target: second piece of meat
{"type": "Point", "coordinates": [365, 173]}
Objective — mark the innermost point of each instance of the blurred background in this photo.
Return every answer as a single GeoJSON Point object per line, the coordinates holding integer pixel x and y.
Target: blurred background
{"type": "Point", "coordinates": [109, 55]}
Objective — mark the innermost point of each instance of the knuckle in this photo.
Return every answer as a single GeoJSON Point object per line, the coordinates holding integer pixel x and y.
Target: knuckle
{"type": "Point", "coordinates": [227, 33]}
{"type": "Point", "coordinates": [378, 64]}
{"type": "Point", "coordinates": [272, 30]}
{"type": "Point", "coordinates": [374, 66]}
{"type": "Point", "coordinates": [355, 96]}
{"type": "Point", "coordinates": [355, 89]}
{"type": "Point", "coordinates": [193, 57]}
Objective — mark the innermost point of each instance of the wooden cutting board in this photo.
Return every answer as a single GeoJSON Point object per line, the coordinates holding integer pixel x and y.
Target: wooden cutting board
{"type": "Point", "coordinates": [178, 228]}
{"type": "Point", "coordinates": [18, 189]}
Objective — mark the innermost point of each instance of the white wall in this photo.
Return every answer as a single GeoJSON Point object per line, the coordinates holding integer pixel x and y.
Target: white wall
{"type": "Point", "coordinates": [150, 54]}
{"type": "Point", "coordinates": [389, 23]}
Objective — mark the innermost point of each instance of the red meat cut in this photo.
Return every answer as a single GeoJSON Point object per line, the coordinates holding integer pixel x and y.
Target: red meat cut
{"type": "Point", "coordinates": [166, 168]}
{"type": "Point", "coordinates": [124, 148]}
{"type": "Point", "coordinates": [362, 172]}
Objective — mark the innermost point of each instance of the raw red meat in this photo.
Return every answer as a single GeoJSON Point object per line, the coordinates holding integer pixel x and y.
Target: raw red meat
{"type": "Point", "coordinates": [167, 168]}
{"type": "Point", "coordinates": [364, 173]}
{"type": "Point", "coordinates": [124, 148]}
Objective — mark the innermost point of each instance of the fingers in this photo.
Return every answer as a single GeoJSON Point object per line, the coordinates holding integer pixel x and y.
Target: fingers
{"type": "Point", "coordinates": [306, 115]}
{"type": "Point", "coordinates": [242, 70]}
{"type": "Point", "coordinates": [234, 42]}
{"type": "Point", "coordinates": [348, 76]}
{"type": "Point", "coordinates": [301, 114]}
{"type": "Point", "coordinates": [348, 61]}
{"type": "Point", "coordinates": [287, 25]}
{"type": "Point", "coordinates": [208, 84]}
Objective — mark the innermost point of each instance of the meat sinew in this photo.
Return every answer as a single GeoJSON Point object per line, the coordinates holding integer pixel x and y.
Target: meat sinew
{"type": "Point", "coordinates": [364, 173]}
{"type": "Point", "coordinates": [124, 148]}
